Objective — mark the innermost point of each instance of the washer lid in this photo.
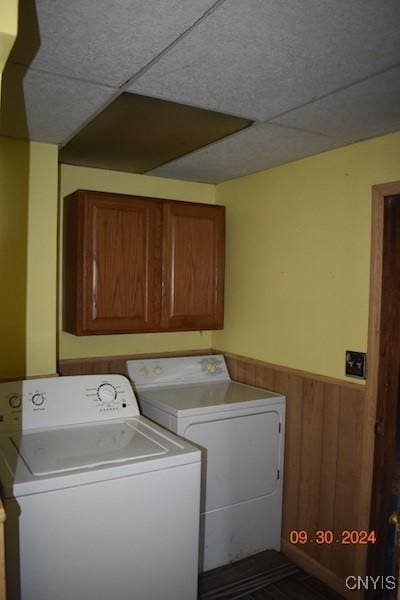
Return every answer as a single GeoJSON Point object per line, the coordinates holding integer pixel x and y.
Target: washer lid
{"type": "Point", "coordinates": [56, 451]}
{"type": "Point", "coordinates": [51, 459]}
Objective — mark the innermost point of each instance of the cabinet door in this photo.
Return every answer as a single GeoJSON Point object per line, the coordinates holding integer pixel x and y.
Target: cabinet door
{"type": "Point", "coordinates": [120, 263]}
{"type": "Point", "coordinates": [193, 266]}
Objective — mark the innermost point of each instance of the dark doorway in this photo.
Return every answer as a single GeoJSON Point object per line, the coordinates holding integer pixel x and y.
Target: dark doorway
{"type": "Point", "coordinates": [386, 470]}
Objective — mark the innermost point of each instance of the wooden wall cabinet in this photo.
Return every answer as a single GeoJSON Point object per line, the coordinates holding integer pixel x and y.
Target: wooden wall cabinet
{"type": "Point", "coordinates": [134, 264]}
{"type": "Point", "coordinates": [193, 266]}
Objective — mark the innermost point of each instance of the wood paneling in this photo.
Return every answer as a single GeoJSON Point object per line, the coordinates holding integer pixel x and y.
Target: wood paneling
{"type": "Point", "coordinates": [310, 461]}
{"type": "Point", "coordinates": [329, 464]}
{"type": "Point", "coordinates": [292, 388]}
{"type": "Point", "coordinates": [323, 478]}
{"type": "Point", "coordinates": [325, 421]}
{"type": "Point", "coordinates": [113, 364]}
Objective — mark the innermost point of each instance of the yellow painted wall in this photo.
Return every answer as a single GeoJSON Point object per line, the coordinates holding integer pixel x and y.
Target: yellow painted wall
{"type": "Point", "coordinates": [28, 267]}
{"type": "Point", "coordinates": [298, 252]}
{"type": "Point", "coordinates": [8, 29]}
{"type": "Point", "coordinates": [73, 178]}
{"type": "Point", "coordinates": [14, 191]}
{"type": "Point", "coordinates": [297, 273]}
{"type": "Point", "coordinates": [41, 311]}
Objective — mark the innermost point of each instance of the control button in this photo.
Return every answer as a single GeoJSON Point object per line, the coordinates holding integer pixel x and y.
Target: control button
{"type": "Point", "coordinates": [158, 370]}
{"type": "Point", "coordinates": [106, 392]}
{"type": "Point", "coordinates": [37, 399]}
{"type": "Point", "coordinates": [211, 366]}
{"type": "Point", "coordinates": [15, 401]}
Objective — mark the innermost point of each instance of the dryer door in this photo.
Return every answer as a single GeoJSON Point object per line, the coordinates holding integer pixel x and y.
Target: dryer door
{"type": "Point", "coordinates": [242, 456]}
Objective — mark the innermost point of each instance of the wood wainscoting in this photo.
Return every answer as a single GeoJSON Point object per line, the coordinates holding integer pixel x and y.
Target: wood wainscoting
{"type": "Point", "coordinates": [323, 472]}
{"type": "Point", "coordinates": [323, 464]}
{"type": "Point", "coordinates": [114, 364]}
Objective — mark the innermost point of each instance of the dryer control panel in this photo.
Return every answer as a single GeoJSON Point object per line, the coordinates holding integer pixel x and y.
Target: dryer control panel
{"type": "Point", "coordinates": [162, 372]}
{"type": "Point", "coordinates": [62, 401]}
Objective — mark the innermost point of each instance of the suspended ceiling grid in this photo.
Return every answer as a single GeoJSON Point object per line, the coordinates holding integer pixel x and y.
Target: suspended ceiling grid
{"type": "Point", "coordinates": [312, 74]}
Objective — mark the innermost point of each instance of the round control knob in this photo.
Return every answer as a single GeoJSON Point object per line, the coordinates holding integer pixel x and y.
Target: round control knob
{"type": "Point", "coordinates": [211, 366]}
{"type": "Point", "coordinates": [37, 399]}
{"type": "Point", "coordinates": [158, 370]}
{"type": "Point", "coordinates": [106, 392]}
{"type": "Point", "coordinates": [15, 401]}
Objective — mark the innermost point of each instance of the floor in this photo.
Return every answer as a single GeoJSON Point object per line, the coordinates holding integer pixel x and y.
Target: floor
{"type": "Point", "coordinates": [268, 575]}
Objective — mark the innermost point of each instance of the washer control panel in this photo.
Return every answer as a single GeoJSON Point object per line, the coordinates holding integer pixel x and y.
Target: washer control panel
{"type": "Point", "coordinates": [107, 393]}
{"type": "Point", "coordinates": [15, 401]}
{"type": "Point", "coordinates": [62, 401]}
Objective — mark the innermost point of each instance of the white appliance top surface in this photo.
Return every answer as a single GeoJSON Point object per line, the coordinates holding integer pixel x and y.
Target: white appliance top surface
{"type": "Point", "coordinates": [66, 431]}
{"type": "Point", "coordinates": [185, 400]}
{"type": "Point", "coordinates": [162, 372]}
{"type": "Point", "coordinates": [193, 385]}
{"type": "Point", "coordinates": [56, 451]}
{"type": "Point", "coordinates": [51, 459]}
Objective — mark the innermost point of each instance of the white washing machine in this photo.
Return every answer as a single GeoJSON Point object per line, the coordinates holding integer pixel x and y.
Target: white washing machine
{"type": "Point", "coordinates": [100, 502]}
{"type": "Point", "coordinates": [240, 429]}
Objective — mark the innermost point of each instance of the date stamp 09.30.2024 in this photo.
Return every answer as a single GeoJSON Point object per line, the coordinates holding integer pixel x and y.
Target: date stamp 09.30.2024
{"type": "Point", "coordinates": [327, 536]}
{"type": "Point", "coordinates": [347, 537]}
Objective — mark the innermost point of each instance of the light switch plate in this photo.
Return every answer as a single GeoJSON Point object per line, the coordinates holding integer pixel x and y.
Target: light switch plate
{"type": "Point", "coordinates": [356, 364]}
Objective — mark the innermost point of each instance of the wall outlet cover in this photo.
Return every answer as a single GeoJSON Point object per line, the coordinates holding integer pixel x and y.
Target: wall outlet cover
{"type": "Point", "coordinates": [356, 364]}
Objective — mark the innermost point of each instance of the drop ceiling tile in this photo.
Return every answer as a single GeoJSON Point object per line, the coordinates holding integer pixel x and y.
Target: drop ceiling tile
{"type": "Point", "coordinates": [45, 107]}
{"type": "Point", "coordinates": [363, 110]}
{"type": "Point", "coordinates": [136, 133]}
{"type": "Point", "coordinates": [99, 40]}
{"type": "Point", "coordinates": [257, 59]}
{"type": "Point", "coordinates": [253, 149]}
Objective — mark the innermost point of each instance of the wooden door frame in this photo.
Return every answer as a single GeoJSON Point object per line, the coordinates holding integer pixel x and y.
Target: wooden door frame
{"type": "Point", "coordinates": [368, 502]}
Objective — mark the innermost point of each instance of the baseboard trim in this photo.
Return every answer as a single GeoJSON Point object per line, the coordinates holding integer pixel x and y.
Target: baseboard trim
{"type": "Point", "coordinates": [311, 566]}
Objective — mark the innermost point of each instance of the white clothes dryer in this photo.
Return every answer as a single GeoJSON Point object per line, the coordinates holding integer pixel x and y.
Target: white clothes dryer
{"type": "Point", "coordinates": [100, 502]}
{"type": "Point", "coordinates": [240, 429]}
